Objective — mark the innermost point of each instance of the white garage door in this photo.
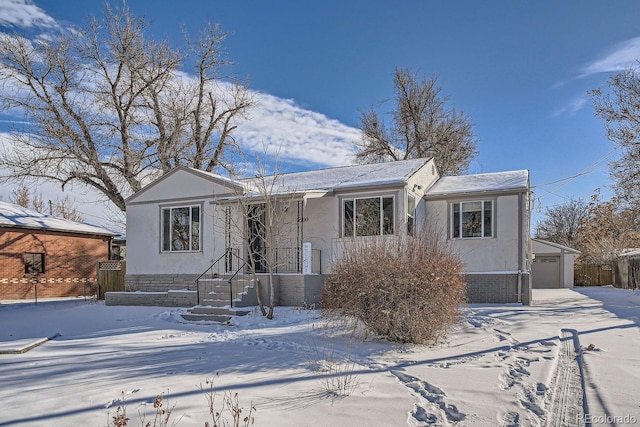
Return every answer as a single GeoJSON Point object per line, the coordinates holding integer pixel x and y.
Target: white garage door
{"type": "Point", "coordinates": [545, 272]}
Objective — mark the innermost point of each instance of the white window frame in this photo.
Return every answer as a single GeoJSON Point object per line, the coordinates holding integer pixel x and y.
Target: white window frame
{"type": "Point", "coordinates": [193, 245]}
{"type": "Point", "coordinates": [381, 231]}
{"type": "Point", "coordinates": [484, 233]}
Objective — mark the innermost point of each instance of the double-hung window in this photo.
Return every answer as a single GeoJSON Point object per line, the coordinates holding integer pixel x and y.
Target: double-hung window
{"type": "Point", "coordinates": [368, 216]}
{"type": "Point", "coordinates": [181, 229]}
{"type": "Point", "coordinates": [472, 219]}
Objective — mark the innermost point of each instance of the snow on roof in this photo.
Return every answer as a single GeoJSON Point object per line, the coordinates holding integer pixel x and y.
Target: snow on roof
{"type": "Point", "coordinates": [12, 215]}
{"type": "Point", "coordinates": [346, 177]}
{"type": "Point", "coordinates": [479, 183]}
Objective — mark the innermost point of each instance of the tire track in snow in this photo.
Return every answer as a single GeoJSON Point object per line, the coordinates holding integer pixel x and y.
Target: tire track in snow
{"type": "Point", "coordinates": [567, 405]}
{"type": "Point", "coordinates": [431, 410]}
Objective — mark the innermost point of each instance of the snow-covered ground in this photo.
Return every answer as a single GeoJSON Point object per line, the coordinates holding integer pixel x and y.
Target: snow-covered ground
{"type": "Point", "coordinates": [503, 365]}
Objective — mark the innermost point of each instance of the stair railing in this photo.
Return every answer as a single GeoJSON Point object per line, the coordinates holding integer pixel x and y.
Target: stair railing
{"type": "Point", "coordinates": [223, 256]}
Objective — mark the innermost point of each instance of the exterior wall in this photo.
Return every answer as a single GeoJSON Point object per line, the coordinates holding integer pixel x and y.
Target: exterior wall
{"type": "Point", "coordinates": [499, 288]}
{"type": "Point", "coordinates": [70, 263]}
{"type": "Point", "coordinates": [299, 290]}
{"type": "Point", "coordinates": [496, 254]}
{"type": "Point", "coordinates": [321, 226]}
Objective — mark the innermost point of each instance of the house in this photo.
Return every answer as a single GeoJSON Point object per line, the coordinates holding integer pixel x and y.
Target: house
{"type": "Point", "coordinates": [553, 265]}
{"type": "Point", "coordinates": [188, 220]}
{"type": "Point", "coordinates": [45, 256]}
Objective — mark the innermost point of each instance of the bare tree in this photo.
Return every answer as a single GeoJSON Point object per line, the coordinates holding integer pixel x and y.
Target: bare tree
{"type": "Point", "coordinates": [561, 224]}
{"type": "Point", "coordinates": [620, 110]}
{"type": "Point", "coordinates": [60, 207]}
{"type": "Point", "coordinates": [266, 221]}
{"type": "Point", "coordinates": [110, 109]}
{"type": "Point", "coordinates": [421, 125]}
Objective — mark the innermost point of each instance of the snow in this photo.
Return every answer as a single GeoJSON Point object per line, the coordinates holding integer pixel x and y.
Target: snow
{"type": "Point", "coordinates": [12, 215]}
{"type": "Point", "coordinates": [482, 182]}
{"type": "Point", "coordinates": [345, 177]}
{"type": "Point", "coordinates": [502, 365]}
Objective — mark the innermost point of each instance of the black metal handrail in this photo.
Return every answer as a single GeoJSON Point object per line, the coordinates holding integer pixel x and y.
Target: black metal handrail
{"type": "Point", "coordinates": [207, 270]}
{"type": "Point", "coordinates": [244, 262]}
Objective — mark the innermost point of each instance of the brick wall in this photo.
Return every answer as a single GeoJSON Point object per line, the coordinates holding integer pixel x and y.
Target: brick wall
{"type": "Point", "coordinates": [159, 282]}
{"type": "Point", "coordinates": [497, 288]}
{"type": "Point", "coordinates": [69, 263]}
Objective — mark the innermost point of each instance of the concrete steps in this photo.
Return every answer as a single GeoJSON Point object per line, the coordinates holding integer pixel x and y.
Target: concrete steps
{"type": "Point", "coordinates": [213, 314]}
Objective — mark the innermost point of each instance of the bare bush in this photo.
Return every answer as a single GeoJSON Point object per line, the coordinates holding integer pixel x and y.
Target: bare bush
{"type": "Point", "coordinates": [405, 288]}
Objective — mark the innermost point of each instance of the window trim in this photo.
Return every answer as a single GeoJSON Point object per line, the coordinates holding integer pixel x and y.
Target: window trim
{"type": "Point", "coordinates": [460, 204]}
{"type": "Point", "coordinates": [380, 198]}
{"type": "Point", "coordinates": [170, 249]}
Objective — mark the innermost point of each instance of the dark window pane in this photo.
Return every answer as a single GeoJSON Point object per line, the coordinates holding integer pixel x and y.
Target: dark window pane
{"type": "Point", "coordinates": [488, 219]}
{"type": "Point", "coordinates": [387, 212]}
{"type": "Point", "coordinates": [348, 218]}
{"type": "Point", "coordinates": [456, 220]}
{"type": "Point", "coordinates": [195, 228]}
{"type": "Point", "coordinates": [166, 229]}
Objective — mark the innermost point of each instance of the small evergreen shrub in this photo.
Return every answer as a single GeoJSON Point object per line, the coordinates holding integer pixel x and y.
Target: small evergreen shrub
{"type": "Point", "coordinates": [405, 288]}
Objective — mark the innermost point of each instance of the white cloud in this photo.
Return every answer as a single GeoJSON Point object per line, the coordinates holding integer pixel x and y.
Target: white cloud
{"type": "Point", "coordinates": [24, 14]}
{"type": "Point", "coordinates": [571, 108]}
{"type": "Point", "coordinates": [299, 135]}
{"type": "Point", "coordinates": [621, 56]}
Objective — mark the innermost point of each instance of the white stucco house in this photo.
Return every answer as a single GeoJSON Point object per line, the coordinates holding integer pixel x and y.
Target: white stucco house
{"type": "Point", "coordinates": [553, 265]}
{"type": "Point", "coordinates": [188, 220]}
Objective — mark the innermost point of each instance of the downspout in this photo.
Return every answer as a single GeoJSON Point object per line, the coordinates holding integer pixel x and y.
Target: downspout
{"type": "Point", "coordinates": [520, 243]}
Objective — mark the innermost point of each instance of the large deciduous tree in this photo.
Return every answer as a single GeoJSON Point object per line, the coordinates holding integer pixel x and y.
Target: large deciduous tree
{"type": "Point", "coordinates": [109, 108]}
{"type": "Point", "coordinates": [561, 224]}
{"type": "Point", "coordinates": [421, 125]}
{"type": "Point", "coordinates": [620, 109]}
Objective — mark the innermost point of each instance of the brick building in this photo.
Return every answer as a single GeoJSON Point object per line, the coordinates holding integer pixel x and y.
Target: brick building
{"type": "Point", "coordinates": [44, 256]}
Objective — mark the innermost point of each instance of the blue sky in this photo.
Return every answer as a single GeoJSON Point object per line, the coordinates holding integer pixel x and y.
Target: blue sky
{"type": "Point", "coordinates": [520, 69]}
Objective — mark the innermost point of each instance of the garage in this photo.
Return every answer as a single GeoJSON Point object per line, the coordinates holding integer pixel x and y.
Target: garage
{"type": "Point", "coordinates": [552, 266]}
{"type": "Point", "coordinates": [546, 272]}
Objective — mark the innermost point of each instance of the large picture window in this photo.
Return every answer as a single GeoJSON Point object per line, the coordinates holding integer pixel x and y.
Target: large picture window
{"type": "Point", "coordinates": [370, 216]}
{"type": "Point", "coordinates": [181, 229]}
{"type": "Point", "coordinates": [472, 219]}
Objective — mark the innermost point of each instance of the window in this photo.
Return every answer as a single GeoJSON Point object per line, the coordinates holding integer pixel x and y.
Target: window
{"type": "Point", "coordinates": [472, 219]}
{"type": "Point", "coordinates": [33, 263]}
{"type": "Point", "coordinates": [181, 229]}
{"type": "Point", "coordinates": [371, 216]}
{"type": "Point", "coordinates": [411, 214]}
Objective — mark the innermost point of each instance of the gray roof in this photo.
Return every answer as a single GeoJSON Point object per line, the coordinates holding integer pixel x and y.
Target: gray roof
{"type": "Point", "coordinates": [347, 177]}
{"type": "Point", "coordinates": [12, 215]}
{"type": "Point", "coordinates": [480, 183]}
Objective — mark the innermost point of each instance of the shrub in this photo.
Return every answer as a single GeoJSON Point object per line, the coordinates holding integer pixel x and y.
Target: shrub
{"type": "Point", "coordinates": [405, 288]}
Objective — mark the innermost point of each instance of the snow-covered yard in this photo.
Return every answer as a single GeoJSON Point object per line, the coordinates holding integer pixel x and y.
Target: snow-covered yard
{"type": "Point", "coordinates": [504, 365]}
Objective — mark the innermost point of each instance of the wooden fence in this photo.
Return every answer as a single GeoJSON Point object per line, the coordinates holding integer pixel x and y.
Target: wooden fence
{"type": "Point", "coordinates": [110, 277]}
{"type": "Point", "coordinates": [593, 275]}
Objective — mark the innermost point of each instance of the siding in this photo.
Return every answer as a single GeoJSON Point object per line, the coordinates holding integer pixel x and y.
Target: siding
{"type": "Point", "coordinates": [70, 263]}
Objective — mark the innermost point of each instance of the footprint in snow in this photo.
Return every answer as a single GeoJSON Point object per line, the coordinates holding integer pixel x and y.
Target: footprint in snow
{"type": "Point", "coordinates": [432, 398]}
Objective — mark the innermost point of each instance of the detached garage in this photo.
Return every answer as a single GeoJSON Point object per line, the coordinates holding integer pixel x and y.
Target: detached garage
{"type": "Point", "coordinates": [552, 266]}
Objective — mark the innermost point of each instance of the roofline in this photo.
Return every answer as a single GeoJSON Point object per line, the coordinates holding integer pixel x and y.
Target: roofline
{"type": "Point", "coordinates": [61, 230]}
{"type": "Point", "coordinates": [198, 172]}
{"type": "Point", "coordinates": [495, 191]}
{"type": "Point", "coordinates": [556, 245]}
